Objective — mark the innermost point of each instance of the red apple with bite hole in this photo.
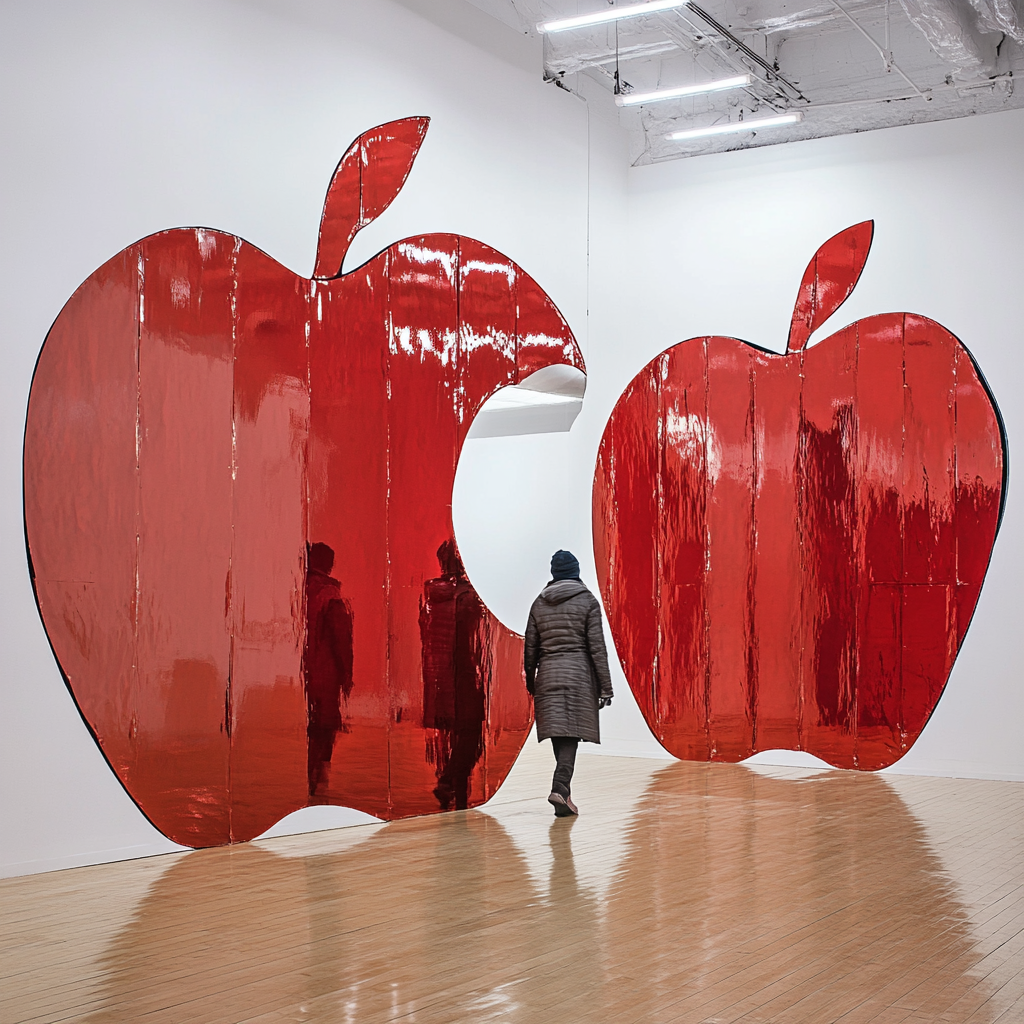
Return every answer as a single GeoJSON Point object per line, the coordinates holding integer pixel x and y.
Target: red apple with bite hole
{"type": "Point", "coordinates": [791, 546]}
{"type": "Point", "coordinates": [238, 487]}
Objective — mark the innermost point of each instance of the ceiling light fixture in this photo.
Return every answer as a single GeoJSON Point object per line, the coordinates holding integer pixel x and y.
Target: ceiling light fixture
{"type": "Point", "coordinates": [735, 126]}
{"type": "Point", "coordinates": [613, 14]}
{"type": "Point", "coordinates": [632, 99]}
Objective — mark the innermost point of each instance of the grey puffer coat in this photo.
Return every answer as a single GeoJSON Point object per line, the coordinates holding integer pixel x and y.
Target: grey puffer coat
{"type": "Point", "coordinates": [566, 661]}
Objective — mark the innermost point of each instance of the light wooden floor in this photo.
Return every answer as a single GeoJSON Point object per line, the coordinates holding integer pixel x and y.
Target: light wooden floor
{"type": "Point", "coordinates": [684, 892]}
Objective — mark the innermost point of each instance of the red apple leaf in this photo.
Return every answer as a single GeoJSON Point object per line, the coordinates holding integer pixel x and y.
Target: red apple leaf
{"type": "Point", "coordinates": [829, 279]}
{"type": "Point", "coordinates": [365, 183]}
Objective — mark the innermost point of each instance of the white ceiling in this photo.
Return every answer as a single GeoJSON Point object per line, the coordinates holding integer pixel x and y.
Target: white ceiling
{"type": "Point", "coordinates": [846, 65]}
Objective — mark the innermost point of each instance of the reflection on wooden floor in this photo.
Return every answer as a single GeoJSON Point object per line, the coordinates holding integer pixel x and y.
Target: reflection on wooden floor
{"type": "Point", "coordinates": [684, 892]}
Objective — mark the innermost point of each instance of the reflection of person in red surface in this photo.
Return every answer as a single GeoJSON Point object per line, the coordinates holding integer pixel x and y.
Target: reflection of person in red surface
{"type": "Point", "coordinates": [455, 670]}
{"type": "Point", "coordinates": [326, 661]}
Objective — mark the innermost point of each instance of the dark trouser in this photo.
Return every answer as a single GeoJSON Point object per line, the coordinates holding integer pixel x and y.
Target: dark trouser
{"type": "Point", "coordinates": [565, 761]}
{"type": "Point", "coordinates": [320, 749]}
{"type": "Point", "coordinates": [457, 754]}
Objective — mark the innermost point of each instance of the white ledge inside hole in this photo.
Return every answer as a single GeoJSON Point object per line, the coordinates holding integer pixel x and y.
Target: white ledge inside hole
{"type": "Point", "coordinates": [547, 402]}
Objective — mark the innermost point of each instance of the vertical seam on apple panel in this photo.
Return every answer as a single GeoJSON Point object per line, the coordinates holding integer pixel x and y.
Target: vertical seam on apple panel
{"type": "Point", "coordinates": [313, 295]}
{"type": "Point", "coordinates": [753, 645]}
{"type": "Point", "coordinates": [140, 319]}
{"type": "Point", "coordinates": [359, 225]}
{"type": "Point", "coordinates": [858, 562]}
{"type": "Point", "coordinates": [751, 654]}
{"type": "Point", "coordinates": [956, 488]}
{"type": "Point", "coordinates": [515, 340]}
{"type": "Point", "coordinates": [901, 721]}
{"type": "Point", "coordinates": [802, 609]}
{"type": "Point", "coordinates": [706, 431]}
{"type": "Point", "coordinates": [659, 505]}
{"type": "Point", "coordinates": [388, 340]}
{"type": "Point", "coordinates": [228, 696]}
{"type": "Point", "coordinates": [952, 611]}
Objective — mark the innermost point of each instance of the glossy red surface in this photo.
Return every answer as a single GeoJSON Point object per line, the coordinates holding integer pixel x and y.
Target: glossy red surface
{"type": "Point", "coordinates": [790, 547]}
{"type": "Point", "coordinates": [269, 512]}
{"type": "Point", "coordinates": [238, 508]}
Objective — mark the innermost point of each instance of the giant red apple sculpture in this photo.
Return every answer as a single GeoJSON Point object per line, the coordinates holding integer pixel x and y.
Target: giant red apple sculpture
{"type": "Point", "coordinates": [238, 493]}
{"type": "Point", "coordinates": [790, 547]}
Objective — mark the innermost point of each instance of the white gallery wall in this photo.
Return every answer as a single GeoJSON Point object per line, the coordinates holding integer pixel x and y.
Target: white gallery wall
{"type": "Point", "coordinates": [123, 118]}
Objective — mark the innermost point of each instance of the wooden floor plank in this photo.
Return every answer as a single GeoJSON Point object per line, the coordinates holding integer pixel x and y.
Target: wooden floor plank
{"type": "Point", "coordinates": [684, 893]}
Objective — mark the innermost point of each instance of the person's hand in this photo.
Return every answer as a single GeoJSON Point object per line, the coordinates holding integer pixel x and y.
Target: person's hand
{"type": "Point", "coordinates": [604, 702]}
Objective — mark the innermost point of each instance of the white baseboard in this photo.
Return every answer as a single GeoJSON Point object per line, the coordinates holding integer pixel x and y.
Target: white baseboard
{"type": "Point", "coordinates": [309, 819]}
{"type": "Point", "coordinates": [956, 770]}
{"type": "Point", "coordinates": [81, 860]}
{"type": "Point", "coordinates": [800, 759]}
{"type": "Point", "coordinates": [652, 751]}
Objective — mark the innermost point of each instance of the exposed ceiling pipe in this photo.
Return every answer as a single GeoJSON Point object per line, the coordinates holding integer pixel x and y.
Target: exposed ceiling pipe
{"type": "Point", "coordinates": [743, 48]}
{"type": "Point", "coordinates": [564, 58]}
{"type": "Point", "coordinates": [819, 16]}
{"type": "Point", "coordinates": [863, 102]}
{"type": "Point", "coordinates": [886, 56]}
{"type": "Point", "coordinates": [674, 31]}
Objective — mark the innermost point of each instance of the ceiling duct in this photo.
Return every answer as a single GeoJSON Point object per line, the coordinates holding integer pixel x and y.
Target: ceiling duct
{"type": "Point", "coordinates": [951, 28]}
{"type": "Point", "coordinates": [844, 65]}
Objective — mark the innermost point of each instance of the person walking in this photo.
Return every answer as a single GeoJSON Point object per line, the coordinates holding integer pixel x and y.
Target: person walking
{"type": "Point", "coordinates": [566, 671]}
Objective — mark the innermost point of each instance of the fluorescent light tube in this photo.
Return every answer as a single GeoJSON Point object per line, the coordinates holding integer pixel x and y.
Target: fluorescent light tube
{"type": "Point", "coordinates": [735, 126]}
{"type": "Point", "coordinates": [633, 98]}
{"type": "Point", "coordinates": [612, 14]}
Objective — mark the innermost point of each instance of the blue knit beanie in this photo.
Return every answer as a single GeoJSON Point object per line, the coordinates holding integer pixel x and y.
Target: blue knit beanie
{"type": "Point", "coordinates": [564, 566]}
